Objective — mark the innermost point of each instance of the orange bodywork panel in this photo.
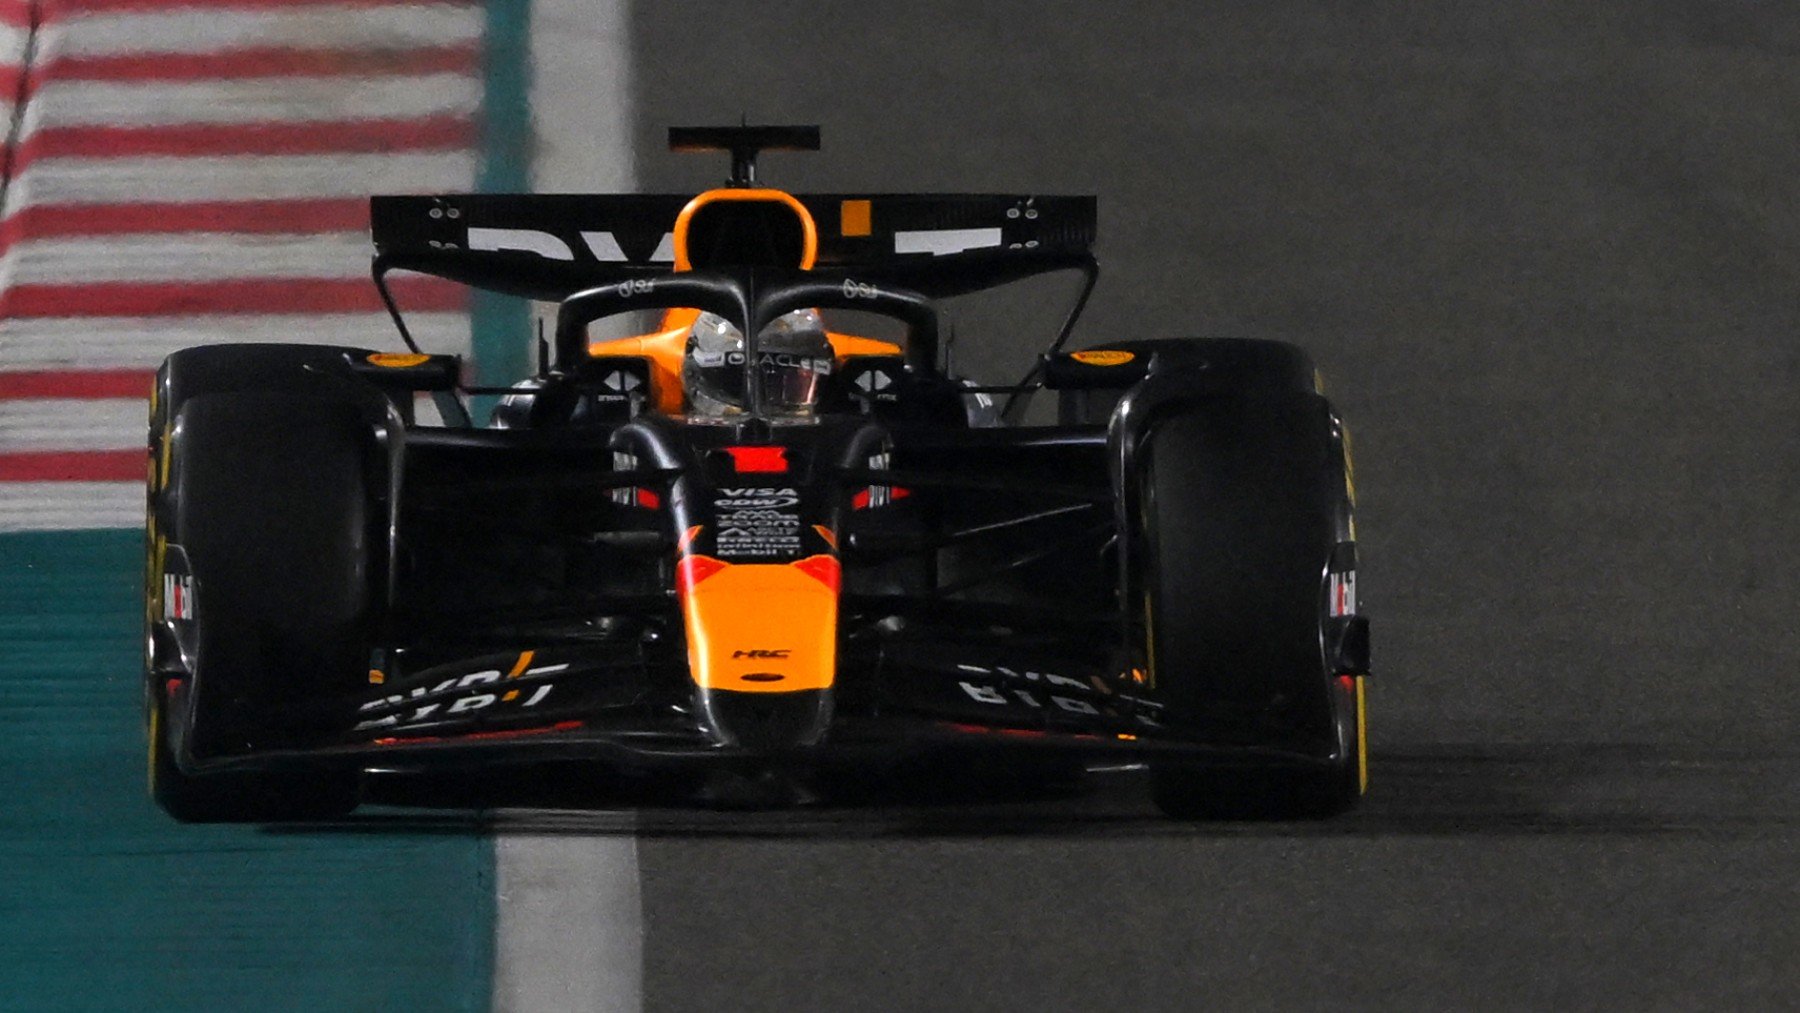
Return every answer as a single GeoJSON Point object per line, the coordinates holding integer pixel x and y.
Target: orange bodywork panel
{"type": "Point", "coordinates": [665, 348]}
{"type": "Point", "coordinates": [849, 346]}
{"type": "Point", "coordinates": [760, 627]}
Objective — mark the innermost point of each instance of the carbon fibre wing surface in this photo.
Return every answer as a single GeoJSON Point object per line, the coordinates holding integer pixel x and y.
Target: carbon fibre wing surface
{"type": "Point", "coordinates": [549, 246]}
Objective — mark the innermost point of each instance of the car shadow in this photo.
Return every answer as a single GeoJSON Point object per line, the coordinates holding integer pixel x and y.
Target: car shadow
{"type": "Point", "coordinates": [1444, 790]}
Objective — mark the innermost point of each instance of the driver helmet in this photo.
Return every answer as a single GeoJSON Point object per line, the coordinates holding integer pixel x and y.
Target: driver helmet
{"type": "Point", "coordinates": [794, 356]}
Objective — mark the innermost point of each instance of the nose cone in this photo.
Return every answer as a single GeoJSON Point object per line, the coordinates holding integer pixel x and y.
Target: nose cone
{"type": "Point", "coordinates": [762, 648]}
{"type": "Point", "coordinates": [766, 722]}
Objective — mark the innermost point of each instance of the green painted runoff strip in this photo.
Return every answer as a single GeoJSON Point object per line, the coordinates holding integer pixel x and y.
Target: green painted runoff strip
{"type": "Point", "coordinates": [501, 324]}
{"type": "Point", "coordinates": [107, 904]}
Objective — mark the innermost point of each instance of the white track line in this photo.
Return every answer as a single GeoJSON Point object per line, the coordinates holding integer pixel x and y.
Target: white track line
{"type": "Point", "coordinates": [582, 107]}
{"type": "Point", "coordinates": [569, 928]}
{"type": "Point", "coordinates": [569, 934]}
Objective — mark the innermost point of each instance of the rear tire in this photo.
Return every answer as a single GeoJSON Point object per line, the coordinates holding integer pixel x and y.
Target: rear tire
{"type": "Point", "coordinates": [1243, 496]}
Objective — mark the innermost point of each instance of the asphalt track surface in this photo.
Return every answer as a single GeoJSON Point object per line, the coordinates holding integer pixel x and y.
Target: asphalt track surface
{"type": "Point", "coordinates": [1523, 878]}
{"type": "Point", "coordinates": [1494, 877]}
{"type": "Point", "coordinates": [1547, 257]}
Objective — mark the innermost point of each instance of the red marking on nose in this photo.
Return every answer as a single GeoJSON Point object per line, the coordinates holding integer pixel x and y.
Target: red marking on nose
{"type": "Point", "coordinates": [693, 569]}
{"type": "Point", "coordinates": [823, 569]}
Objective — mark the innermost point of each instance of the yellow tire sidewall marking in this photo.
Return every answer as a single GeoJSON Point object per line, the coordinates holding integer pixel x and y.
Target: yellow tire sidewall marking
{"type": "Point", "coordinates": [1362, 740]}
{"type": "Point", "coordinates": [154, 735]}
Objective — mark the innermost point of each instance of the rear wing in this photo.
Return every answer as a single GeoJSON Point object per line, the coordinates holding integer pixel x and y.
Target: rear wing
{"type": "Point", "coordinates": [550, 246]}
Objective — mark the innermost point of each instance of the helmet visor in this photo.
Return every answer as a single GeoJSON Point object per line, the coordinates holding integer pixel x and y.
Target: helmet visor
{"type": "Point", "coordinates": [793, 358]}
{"type": "Point", "coordinates": [790, 381]}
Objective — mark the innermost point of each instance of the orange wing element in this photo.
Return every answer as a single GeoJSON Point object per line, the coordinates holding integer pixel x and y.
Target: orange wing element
{"type": "Point", "coordinates": [665, 348]}
{"type": "Point", "coordinates": [853, 217]}
{"type": "Point", "coordinates": [760, 627]}
{"type": "Point", "coordinates": [849, 346]}
{"type": "Point", "coordinates": [809, 230]}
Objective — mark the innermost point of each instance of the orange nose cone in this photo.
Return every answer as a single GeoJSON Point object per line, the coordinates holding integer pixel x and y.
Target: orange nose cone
{"type": "Point", "coordinates": [761, 627]}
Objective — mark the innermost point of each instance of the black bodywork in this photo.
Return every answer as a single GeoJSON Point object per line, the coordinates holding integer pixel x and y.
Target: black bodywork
{"type": "Point", "coordinates": [511, 592]}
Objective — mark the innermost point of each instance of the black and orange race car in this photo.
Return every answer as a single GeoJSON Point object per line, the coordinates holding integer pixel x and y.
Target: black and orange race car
{"type": "Point", "coordinates": [745, 522]}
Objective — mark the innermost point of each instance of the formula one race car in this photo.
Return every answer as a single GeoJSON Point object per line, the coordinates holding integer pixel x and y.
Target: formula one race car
{"type": "Point", "coordinates": [759, 531]}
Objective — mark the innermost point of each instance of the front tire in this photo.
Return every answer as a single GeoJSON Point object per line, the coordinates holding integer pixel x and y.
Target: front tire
{"type": "Point", "coordinates": [1244, 502]}
{"type": "Point", "coordinates": [260, 506]}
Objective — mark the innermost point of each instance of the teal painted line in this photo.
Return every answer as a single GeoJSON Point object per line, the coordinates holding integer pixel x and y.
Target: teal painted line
{"type": "Point", "coordinates": [106, 904]}
{"type": "Point", "coordinates": [501, 339]}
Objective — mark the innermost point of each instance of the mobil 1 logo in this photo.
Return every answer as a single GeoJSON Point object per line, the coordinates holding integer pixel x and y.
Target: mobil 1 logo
{"type": "Point", "coordinates": [761, 522]}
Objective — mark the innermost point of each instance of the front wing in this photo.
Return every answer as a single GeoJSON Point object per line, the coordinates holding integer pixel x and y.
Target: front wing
{"type": "Point", "coordinates": [612, 704]}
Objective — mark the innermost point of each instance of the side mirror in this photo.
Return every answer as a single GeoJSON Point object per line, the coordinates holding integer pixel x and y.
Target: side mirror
{"type": "Point", "coordinates": [1096, 369]}
{"type": "Point", "coordinates": [406, 371]}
